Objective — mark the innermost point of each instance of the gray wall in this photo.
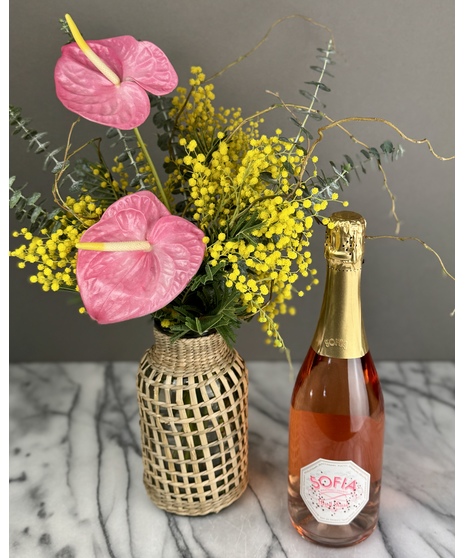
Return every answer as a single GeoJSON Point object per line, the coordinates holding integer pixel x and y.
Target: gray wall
{"type": "Point", "coordinates": [395, 60]}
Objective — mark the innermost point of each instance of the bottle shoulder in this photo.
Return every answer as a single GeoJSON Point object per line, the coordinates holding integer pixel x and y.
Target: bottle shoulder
{"type": "Point", "coordinates": [339, 386]}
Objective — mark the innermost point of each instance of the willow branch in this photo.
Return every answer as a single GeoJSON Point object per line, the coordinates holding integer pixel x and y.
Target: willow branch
{"type": "Point", "coordinates": [380, 168]}
{"type": "Point", "coordinates": [55, 189]}
{"type": "Point", "coordinates": [67, 157]}
{"type": "Point", "coordinates": [265, 37]}
{"type": "Point", "coordinates": [404, 238]}
{"type": "Point", "coordinates": [251, 51]}
{"type": "Point", "coordinates": [338, 123]}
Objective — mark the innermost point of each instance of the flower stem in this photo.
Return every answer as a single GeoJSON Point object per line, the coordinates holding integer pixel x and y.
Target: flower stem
{"type": "Point", "coordinates": [143, 147]}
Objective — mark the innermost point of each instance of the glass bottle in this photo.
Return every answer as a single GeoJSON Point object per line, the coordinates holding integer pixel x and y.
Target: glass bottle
{"type": "Point", "coordinates": [336, 423]}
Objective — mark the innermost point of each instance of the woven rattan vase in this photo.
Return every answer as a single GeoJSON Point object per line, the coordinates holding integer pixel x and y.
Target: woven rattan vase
{"type": "Point", "coordinates": [192, 396]}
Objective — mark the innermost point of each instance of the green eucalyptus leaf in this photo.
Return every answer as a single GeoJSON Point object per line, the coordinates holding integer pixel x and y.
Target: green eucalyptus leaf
{"type": "Point", "coordinates": [387, 147]}
{"type": "Point", "coordinates": [327, 50]}
{"type": "Point", "coordinates": [349, 160]}
{"type": "Point", "coordinates": [53, 213]}
{"type": "Point", "coordinates": [318, 84]}
{"type": "Point", "coordinates": [375, 153]}
{"type": "Point", "coordinates": [159, 119]}
{"type": "Point", "coordinates": [295, 121]}
{"type": "Point", "coordinates": [136, 181]}
{"type": "Point", "coordinates": [35, 142]}
{"type": "Point", "coordinates": [51, 158]}
{"type": "Point", "coordinates": [365, 153]}
{"type": "Point", "coordinates": [306, 133]}
{"type": "Point", "coordinates": [268, 178]}
{"type": "Point", "coordinates": [32, 199]}
{"type": "Point", "coordinates": [170, 167]}
{"type": "Point", "coordinates": [112, 133]}
{"type": "Point", "coordinates": [325, 60]}
{"type": "Point", "coordinates": [122, 158]}
{"type": "Point", "coordinates": [163, 141]}
{"type": "Point", "coordinates": [38, 211]}
{"type": "Point", "coordinates": [62, 165]}
{"type": "Point", "coordinates": [321, 70]}
{"type": "Point", "coordinates": [308, 95]}
{"type": "Point", "coordinates": [333, 165]}
{"type": "Point", "coordinates": [317, 115]}
{"type": "Point", "coordinates": [289, 167]}
{"type": "Point", "coordinates": [15, 198]}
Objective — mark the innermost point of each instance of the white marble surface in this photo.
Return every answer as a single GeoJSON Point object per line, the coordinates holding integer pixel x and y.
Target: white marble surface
{"type": "Point", "coordinates": [76, 473]}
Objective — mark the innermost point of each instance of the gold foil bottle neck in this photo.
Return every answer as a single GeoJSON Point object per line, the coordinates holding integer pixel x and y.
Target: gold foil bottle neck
{"type": "Point", "coordinates": [345, 239]}
{"type": "Point", "coordinates": [340, 332]}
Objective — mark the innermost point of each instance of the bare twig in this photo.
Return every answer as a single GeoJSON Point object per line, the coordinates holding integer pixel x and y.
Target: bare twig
{"type": "Point", "coordinates": [265, 37]}
{"type": "Point", "coordinates": [404, 238]}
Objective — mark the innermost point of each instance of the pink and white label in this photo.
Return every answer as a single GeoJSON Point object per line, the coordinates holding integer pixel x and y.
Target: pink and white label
{"type": "Point", "coordinates": [334, 491]}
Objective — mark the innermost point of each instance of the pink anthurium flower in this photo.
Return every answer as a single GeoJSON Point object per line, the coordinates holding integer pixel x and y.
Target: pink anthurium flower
{"type": "Point", "coordinates": [106, 81]}
{"type": "Point", "coordinates": [136, 259]}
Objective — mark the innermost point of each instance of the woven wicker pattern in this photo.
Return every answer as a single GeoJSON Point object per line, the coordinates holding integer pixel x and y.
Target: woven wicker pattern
{"type": "Point", "coordinates": [192, 398]}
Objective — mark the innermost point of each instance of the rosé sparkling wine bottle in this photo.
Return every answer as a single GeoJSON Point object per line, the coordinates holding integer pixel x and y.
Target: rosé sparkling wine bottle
{"type": "Point", "coordinates": [336, 423]}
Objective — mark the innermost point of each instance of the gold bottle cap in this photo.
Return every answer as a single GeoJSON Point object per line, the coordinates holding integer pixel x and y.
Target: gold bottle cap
{"type": "Point", "coordinates": [345, 239]}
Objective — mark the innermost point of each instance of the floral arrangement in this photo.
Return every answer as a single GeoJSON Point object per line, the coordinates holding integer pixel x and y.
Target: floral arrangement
{"type": "Point", "coordinates": [223, 239]}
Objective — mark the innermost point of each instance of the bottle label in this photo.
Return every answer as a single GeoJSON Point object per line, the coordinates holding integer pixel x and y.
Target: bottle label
{"type": "Point", "coordinates": [335, 492]}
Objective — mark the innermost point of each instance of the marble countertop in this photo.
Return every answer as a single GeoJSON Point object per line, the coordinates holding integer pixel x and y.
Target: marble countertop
{"type": "Point", "coordinates": [76, 472]}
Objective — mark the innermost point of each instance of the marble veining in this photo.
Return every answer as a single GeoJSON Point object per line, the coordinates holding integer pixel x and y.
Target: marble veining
{"type": "Point", "coordinates": [76, 472]}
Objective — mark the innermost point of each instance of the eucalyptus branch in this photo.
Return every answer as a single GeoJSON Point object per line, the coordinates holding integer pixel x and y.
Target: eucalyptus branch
{"type": "Point", "coordinates": [338, 124]}
{"type": "Point", "coordinates": [30, 208]}
{"type": "Point", "coordinates": [380, 167]}
{"type": "Point", "coordinates": [309, 110]}
{"type": "Point", "coordinates": [32, 136]}
{"type": "Point", "coordinates": [128, 152]}
{"type": "Point", "coordinates": [311, 147]}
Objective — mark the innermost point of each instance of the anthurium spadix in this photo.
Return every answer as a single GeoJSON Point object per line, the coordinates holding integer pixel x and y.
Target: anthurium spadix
{"type": "Point", "coordinates": [106, 81]}
{"type": "Point", "coordinates": [136, 259]}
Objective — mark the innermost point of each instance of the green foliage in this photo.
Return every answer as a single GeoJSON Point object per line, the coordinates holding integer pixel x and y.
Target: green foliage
{"type": "Point", "coordinates": [130, 149]}
{"type": "Point", "coordinates": [250, 220]}
{"type": "Point", "coordinates": [79, 176]}
{"type": "Point", "coordinates": [327, 185]}
{"type": "Point", "coordinates": [64, 28]}
{"type": "Point", "coordinates": [205, 305]}
{"type": "Point", "coordinates": [30, 209]}
{"type": "Point", "coordinates": [34, 138]}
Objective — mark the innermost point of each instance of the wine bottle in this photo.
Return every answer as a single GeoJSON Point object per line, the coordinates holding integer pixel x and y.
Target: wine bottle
{"type": "Point", "coordinates": [336, 423]}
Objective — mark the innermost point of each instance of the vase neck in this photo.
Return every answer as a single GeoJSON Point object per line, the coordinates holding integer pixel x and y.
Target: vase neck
{"type": "Point", "coordinates": [187, 353]}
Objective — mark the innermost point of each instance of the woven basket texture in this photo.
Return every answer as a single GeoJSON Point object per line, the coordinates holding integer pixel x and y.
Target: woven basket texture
{"type": "Point", "coordinates": [193, 406]}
